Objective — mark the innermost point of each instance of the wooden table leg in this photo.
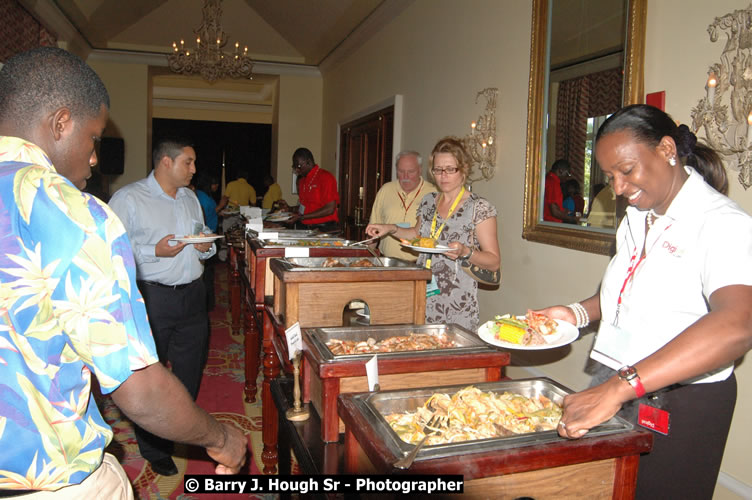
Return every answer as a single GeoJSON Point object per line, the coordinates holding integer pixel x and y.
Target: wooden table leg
{"type": "Point", "coordinates": [351, 452]}
{"type": "Point", "coordinates": [625, 477]}
{"type": "Point", "coordinates": [251, 343]}
{"type": "Point", "coordinates": [269, 415]}
{"type": "Point", "coordinates": [234, 291]}
{"type": "Point", "coordinates": [493, 373]}
{"type": "Point", "coordinates": [330, 418]}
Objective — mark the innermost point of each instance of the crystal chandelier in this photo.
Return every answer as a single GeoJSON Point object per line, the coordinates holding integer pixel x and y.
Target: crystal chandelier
{"type": "Point", "coordinates": [208, 58]}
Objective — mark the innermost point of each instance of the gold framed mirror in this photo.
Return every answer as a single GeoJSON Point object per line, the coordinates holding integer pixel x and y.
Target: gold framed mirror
{"type": "Point", "coordinates": [574, 236]}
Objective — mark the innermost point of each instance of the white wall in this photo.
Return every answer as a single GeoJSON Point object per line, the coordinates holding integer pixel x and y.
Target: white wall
{"type": "Point", "coordinates": [438, 54]}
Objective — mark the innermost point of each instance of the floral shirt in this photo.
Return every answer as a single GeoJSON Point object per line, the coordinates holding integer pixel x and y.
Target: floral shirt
{"type": "Point", "coordinates": [69, 308]}
{"type": "Point", "coordinates": [457, 301]}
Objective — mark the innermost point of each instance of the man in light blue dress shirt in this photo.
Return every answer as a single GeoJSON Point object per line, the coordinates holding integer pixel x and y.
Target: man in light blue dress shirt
{"type": "Point", "coordinates": [155, 210]}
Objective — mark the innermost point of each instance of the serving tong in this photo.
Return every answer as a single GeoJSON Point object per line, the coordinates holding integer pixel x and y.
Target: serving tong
{"type": "Point", "coordinates": [429, 430]}
{"type": "Point", "coordinates": [358, 243]}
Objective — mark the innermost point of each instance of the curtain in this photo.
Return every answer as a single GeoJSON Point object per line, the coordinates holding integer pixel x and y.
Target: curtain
{"type": "Point", "coordinates": [19, 31]}
{"type": "Point", "coordinates": [581, 98]}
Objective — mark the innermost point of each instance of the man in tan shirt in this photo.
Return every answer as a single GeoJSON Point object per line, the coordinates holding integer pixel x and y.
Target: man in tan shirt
{"type": "Point", "coordinates": [397, 202]}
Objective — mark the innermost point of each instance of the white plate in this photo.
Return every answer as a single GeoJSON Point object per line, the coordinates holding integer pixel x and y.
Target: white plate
{"type": "Point", "coordinates": [566, 333]}
{"type": "Point", "coordinates": [198, 239]}
{"type": "Point", "coordinates": [436, 249]}
{"type": "Point", "coordinates": [278, 217]}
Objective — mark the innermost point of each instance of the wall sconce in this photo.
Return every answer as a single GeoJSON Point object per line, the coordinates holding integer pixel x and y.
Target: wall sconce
{"type": "Point", "coordinates": [481, 142]}
{"type": "Point", "coordinates": [730, 136]}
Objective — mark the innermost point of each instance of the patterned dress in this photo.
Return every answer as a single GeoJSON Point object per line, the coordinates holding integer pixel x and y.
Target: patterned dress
{"type": "Point", "coordinates": [458, 301]}
{"type": "Point", "coordinates": [69, 310]}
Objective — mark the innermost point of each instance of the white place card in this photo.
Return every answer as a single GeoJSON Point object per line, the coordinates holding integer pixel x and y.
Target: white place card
{"type": "Point", "coordinates": [294, 340]}
{"type": "Point", "coordinates": [372, 372]}
{"type": "Point", "coordinates": [296, 251]}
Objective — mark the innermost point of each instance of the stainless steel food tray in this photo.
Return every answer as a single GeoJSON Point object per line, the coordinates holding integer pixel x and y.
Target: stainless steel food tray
{"type": "Point", "coordinates": [317, 338]}
{"type": "Point", "coordinates": [374, 405]}
{"type": "Point", "coordinates": [288, 233]}
{"type": "Point", "coordinates": [311, 242]}
{"type": "Point", "coordinates": [303, 264]}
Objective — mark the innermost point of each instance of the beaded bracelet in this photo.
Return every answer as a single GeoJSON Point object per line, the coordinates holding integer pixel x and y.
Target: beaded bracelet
{"type": "Point", "coordinates": [580, 314]}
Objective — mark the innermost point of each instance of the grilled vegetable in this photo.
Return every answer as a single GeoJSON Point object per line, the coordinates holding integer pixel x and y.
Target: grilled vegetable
{"type": "Point", "coordinates": [509, 333]}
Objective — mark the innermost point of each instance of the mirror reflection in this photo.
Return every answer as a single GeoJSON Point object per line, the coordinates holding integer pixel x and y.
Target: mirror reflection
{"type": "Point", "coordinates": [585, 85]}
{"type": "Point", "coordinates": [586, 62]}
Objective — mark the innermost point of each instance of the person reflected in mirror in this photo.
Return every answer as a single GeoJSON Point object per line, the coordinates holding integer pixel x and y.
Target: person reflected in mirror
{"type": "Point", "coordinates": [397, 202]}
{"type": "Point", "coordinates": [603, 209]}
{"type": "Point", "coordinates": [553, 198]}
{"type": "Point", "coordinates": [574, 203]}
{"type": "Point", "coordinates": [674, 306]}
{"type": "Point", "coordinates": [273, 192]}
{"type": "Point", "coordinates": [460, 220]}
{"type": "Point", "coordinates": [72, 312]}
{"type": "Point", "coordinates": [317, 195]}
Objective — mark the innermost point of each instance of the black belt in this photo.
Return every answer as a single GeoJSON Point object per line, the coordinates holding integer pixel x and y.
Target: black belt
{"type": "Point", "coordinates": [161, 285]}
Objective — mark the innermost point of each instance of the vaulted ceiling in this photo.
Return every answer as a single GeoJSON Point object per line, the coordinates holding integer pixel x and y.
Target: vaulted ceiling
{"type": "Point", "coordinates": [301, 32]}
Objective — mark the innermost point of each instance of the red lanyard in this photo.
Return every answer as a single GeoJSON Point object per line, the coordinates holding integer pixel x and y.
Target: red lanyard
{"type": "Point", "coordinates": [417, 192]}
{"type": "Point", "coordinates": [633, 269]}
{"type": "Point", "coordinates": [308, 182]}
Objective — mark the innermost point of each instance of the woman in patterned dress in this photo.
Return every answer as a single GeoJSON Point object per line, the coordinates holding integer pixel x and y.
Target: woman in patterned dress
{"type": "Point", "coordinates": [461, 220]}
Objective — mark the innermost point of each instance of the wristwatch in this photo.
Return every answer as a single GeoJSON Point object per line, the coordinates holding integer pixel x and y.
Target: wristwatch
{"type": "Point", "coordinates": [465, 258]}
{"type": "Point", "coordinates": [629, 374]}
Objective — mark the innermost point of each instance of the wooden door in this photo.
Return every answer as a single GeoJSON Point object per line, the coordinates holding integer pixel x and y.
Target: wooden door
{"type": "Point", "coordinates": [365, 165]}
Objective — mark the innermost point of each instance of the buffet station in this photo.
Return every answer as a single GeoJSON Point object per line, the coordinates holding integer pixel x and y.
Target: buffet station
{"type": "Point", "coordinates": [501, 436]}
{"type": "Point", "coordinates": [408, 355]}
{"type": "Point", "coordinates": [441, 405]}
{"type": "Point", "coordinates": [259, 249]}
{"type": "Point", "coordinates": [314, 292]}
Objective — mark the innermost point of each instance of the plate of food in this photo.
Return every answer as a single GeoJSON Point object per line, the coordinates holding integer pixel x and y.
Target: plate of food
{"type": "Point", "coordinates": [278, 216]}
{"type": "Point", "coordinates": [425, 245]}
{"type": "Point", "coordinates": [531, 332]}
{"type": "Point", "coordinates": [195, 238]}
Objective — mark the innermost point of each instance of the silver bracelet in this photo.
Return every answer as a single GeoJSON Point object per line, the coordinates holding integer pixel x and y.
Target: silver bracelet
{"type": "Point", "coordinates": [580, 314]}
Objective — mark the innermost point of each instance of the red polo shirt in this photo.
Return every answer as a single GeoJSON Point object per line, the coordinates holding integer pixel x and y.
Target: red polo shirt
{"type": "Point", "coordinates": [552, 194]}
{"type": "Point", "coordinates": [317, 189]}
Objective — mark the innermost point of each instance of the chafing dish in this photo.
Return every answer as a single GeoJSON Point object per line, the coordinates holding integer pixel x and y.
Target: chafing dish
{"type": "Point", "coordinates": [466, 342]}
{"type": "Point", "coordinates": [303, 264]}
{"type": "Point", "coordinates": [374, 406]}
{"type": "Point", "coordinates": [287, 233]}
{"type": "Point", "coordinates": [307, 242]}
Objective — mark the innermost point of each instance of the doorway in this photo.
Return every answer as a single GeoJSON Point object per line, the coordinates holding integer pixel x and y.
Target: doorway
{"type": "Point", "coordinates": [365, 165]}
{"type": "Point", "coordinates": [224, 147]}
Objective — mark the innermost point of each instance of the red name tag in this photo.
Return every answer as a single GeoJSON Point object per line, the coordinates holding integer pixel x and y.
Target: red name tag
{"type": "Point", "coordinates": [653, 419]}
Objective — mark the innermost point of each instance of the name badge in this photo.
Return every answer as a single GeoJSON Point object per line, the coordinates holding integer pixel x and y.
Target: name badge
{"type": "Point", "coordinates": [301, 209]}
{"type": "Point", "coordinates": [654, 419]}
{"type": "Point", "coordinates": [612, 346]}
{"type": "Point", "coordinates": [432, 288]}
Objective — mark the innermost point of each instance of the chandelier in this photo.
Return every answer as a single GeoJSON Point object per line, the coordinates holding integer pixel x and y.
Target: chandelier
{"type": "Point", "coordinates": [208, 58]}
{"type": "Point", "coordinates": [725, 113]}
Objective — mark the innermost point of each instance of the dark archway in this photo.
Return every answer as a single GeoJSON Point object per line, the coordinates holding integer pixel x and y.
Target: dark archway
{"type": "Point", "coordinates": [242, 144]}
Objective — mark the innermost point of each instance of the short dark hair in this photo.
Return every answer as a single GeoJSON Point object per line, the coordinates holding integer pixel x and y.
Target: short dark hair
{"type": "Point", "coordinates": [303, 153]}
{"type": "Point", "coordinates": [170, 147]}
{"type": "Point", "coordinates": [44, 79]}
{"type": "Point", "coordinates": [561, 165]}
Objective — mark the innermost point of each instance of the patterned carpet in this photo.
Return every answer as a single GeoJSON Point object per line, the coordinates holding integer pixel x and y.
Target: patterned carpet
{"type": "Point", "coordinates": [221, 394]}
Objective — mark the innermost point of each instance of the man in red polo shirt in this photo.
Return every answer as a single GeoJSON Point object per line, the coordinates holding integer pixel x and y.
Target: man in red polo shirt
{"type": "Point", "coordinates": [317, 192]}
{"type": "Point", "coordinates": [553, 209]}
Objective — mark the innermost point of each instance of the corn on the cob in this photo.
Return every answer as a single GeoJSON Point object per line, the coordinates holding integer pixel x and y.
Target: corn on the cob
{"type": "Point", "coordinates": [509, 333]}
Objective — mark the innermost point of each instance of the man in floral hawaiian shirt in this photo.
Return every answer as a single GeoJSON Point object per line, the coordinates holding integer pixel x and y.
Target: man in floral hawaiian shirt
{"type": "Point", "coordinates": [69, 305]}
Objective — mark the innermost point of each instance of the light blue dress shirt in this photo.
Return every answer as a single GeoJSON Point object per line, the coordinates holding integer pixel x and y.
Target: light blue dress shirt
{"type": "Point", "coordinates": [149, 214]}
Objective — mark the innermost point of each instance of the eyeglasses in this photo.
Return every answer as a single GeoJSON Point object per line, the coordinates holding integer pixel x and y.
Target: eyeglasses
{"type": "Point", "coordinates": [446, 170]}
{"type": "Point", "coordinates": [298, 166]}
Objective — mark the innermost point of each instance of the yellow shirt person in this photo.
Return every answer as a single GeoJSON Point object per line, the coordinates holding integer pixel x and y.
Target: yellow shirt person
{"type": "Point", "coordinates": [397, 202]}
